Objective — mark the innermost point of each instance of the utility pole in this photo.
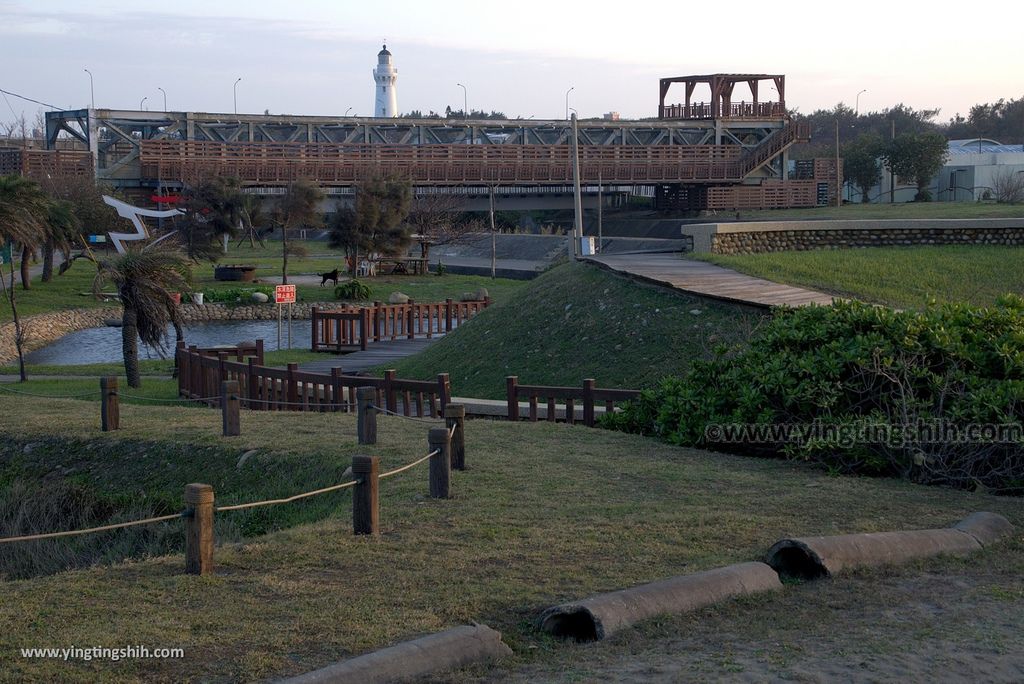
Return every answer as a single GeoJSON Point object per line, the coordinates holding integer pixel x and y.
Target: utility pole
{"type": "Point", "coordinates": [494, 237]}
{"type": "Point", "coordinates": [577, 233]}
{"type": "Point", "coordinates": [839, 171]}
{"type": "Point", "coordinates": [892, 176]}
{"type": "Point", "coordinates": [600, 210]}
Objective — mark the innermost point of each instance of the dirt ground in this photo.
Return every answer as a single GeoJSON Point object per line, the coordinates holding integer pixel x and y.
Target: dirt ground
{"type": "Point", "coordinates": [940, 620]}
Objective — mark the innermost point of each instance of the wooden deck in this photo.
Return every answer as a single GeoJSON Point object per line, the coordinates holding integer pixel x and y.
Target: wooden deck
{"type": "Point", "coordinates": [708, 280]}
{"type": "Point", "coordinates": [377, 354]}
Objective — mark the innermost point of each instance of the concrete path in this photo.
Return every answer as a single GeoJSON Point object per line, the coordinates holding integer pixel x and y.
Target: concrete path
{"type": "Point", "coordinates": [708, 280]}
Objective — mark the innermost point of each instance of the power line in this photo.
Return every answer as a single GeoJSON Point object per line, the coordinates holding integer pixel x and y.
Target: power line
{"type": "Point", "coordinates": [45, 104]}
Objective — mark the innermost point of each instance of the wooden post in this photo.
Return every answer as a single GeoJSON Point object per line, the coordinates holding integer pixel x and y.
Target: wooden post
{"type": "Point", "coordinates": [229, 404]}
{"type": "Point", "coordinates": [364, 327]}
{"type": "Point", "coordinates": [410, 330]}
{"type": "Point", "coordinates": [253, 385]}
{"type": "Point", "coordinates": [588, 402]}
{"type": "Point", "coordinates": [376, 321]}
{"type": "Point", "coordinates": [199, 529]}
{"type": "Point", "coordinates": [110, 408]}
{"type": "Point", "coordinates": [511, 383]}
{"type": "Point", "coordinates": [259, 352]}
{"type": "Point", "coordinates": [440, 463]}
{"type": "Point", "coordinates": [455, 415]}
{"type": "Point", "coordinates": [365, 502]}
{"type": "Point", "coordinates": [390, 399]}
{"type": "Point", "coordinates": [448, 315]}
{"type": "Point", "coordinates": [314, 318]}
{"type": "Point", "coordinates": [444, 391]}
{"type": "Point", "coordinates": [292, 391]}
{"type": "Point", "coordinates": [337, 390]}
{"type": "Point", "coordinates": [366, 422]}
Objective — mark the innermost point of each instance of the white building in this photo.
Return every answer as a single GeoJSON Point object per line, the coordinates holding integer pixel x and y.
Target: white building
{"type": "Point", "coordinates": [969, 173]}
{"type": "Point", "coordinates": [385, 75]}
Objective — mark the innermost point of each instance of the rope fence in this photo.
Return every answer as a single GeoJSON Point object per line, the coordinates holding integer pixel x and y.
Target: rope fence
{"type": "Point", "coordinates": [90, 530]}
{"type": "Point", "coordinates": [415, 463]}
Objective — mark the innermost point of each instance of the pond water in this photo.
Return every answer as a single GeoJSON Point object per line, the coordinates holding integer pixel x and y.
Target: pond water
{"type": "Point", "coordinates": [103, 345]}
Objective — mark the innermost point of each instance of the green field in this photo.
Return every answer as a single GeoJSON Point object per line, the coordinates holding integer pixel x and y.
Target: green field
{"type": "Point", "coordinates": [73, 290]}
{"type": "Point", "coordinates": [908, 210]}
{"type": "Point", "coordinates": [544, 514]}
{"type": "Point", "coordinates": [578, 321]}
{"type": "Point", "coordinates": [904, 277]}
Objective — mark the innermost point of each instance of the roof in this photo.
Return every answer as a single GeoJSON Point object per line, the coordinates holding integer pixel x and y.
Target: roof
{"type": "Point", "coordinates": [974, 148]}
{"type": "Point", "coordinates": [962, 142]}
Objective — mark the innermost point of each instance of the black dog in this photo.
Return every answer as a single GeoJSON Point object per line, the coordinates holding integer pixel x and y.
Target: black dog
{"type": "Point", "coordinates": [332, 275]}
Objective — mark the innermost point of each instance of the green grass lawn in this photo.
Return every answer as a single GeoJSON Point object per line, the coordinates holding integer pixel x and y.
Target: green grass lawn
{"type": "Point", "coordinates": [908, 210]}
{"type": "Point", "coordinates": [546, 513]}
{"type": "Point", "coordinates": [578, 321]}
{"type": "Point", "coordinates": [73, 290]}
{"type": "Point", "coordinates": [905, 277]}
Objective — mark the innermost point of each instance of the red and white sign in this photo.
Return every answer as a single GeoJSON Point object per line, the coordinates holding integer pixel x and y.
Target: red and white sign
{"type": "Point", "coordinates": [284, 294]}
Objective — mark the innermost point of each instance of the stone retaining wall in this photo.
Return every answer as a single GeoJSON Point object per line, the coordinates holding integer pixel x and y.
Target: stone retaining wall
{"type": "Point", "coordinates": [43, 329]}
{"type": "Point", "coordinates": [797, 240]}
{"type": "Point", "coordinates": [750, 237]}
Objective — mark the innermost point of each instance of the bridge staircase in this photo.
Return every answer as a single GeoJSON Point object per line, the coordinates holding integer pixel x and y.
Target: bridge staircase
{"type": "Point", "coordinates": [792, 133]}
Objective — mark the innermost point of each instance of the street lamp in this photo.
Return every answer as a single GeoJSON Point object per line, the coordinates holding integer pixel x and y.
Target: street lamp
{"type": "Point", "coordinates": [142, 102]}
{"type": "Point", "coordinates": [465, 101]}
{"type": "Point", "coordinates": [235, 92]}
{"type": "Point", "coordinates": [856, 109]}
{"type": "Point", "coordinates": [567, 102]}
{"type": "Point", "coordinates": [347, 111]}
{"type": "Point", "coordinates": [165, 96]}
{"type": "Point", "coordinates": [92, 93]}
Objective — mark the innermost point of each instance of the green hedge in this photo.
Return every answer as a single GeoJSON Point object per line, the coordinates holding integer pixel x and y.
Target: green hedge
{"type": "Point", "coordinates": [862, 389]}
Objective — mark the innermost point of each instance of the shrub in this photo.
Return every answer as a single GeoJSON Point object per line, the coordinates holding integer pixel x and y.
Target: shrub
{"type": "Point", "coordinates": [237, 295]}
{"type": "Point", "coordinates": [352, 289]}
{"type": "Point", "coordinates": [873, 381]}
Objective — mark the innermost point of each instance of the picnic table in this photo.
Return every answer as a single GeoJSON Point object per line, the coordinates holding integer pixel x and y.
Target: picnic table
{"type": "Point", "coordinates": [401, 265]}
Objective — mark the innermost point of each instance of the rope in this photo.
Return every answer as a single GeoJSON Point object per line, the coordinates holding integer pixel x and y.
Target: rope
{"type": "Point", "coordinates": [296, 403]}
{"type": "Point", "coordinates": [51, 535]}
{"type": "Point", "coordinates": [136, 397]}
{"type": "Point", "coordinates": [90, 393]}
{"type": "Point", "coordinates": [399, 415]}
{"type": "Point", "coordinates": [433, 453]}
{"type": "Point", "coordinates": [451, 432]}
{"type": "Point", "coordinates": [271, 502]}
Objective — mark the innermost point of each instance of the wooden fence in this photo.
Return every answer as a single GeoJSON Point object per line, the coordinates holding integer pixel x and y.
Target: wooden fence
{"type": "Point", "coordinates": [353, 328]}
{"type": "Point", "coordinates": [201, 372]}
{"type": "Point", "coordinates": [587, 395]}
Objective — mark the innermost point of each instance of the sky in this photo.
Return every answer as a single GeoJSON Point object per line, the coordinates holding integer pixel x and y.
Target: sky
{"type": "Point", "coordinates": [316, 56]}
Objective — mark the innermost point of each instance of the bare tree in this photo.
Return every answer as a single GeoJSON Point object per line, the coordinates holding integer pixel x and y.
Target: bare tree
{"type": "Point", "coordinates": [440, 219]}
{"type": "Point", "coordinates": [1008, 186]}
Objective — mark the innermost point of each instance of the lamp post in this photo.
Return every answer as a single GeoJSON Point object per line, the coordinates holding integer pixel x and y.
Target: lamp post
{"type": "Point", "coordinates": [856, 109]}
{"type": "Point", "coordinates": [465, 101]}
{"type": "Point", "coordinates": [234, 89]}
{"type": "Point", "coordinates": [567, 102]}
{"type": "Point", "coordinates": [142, 102]}
{"type": "Point", "coordinates": [92, 92]}
{"type": "Point", "coordinates": [165, 96]}
{"type": "Point", "coordinates": [347, 111]}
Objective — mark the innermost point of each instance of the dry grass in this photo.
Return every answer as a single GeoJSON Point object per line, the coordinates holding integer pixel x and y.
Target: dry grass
{"type": "Point", "coordinates": [545, 513]}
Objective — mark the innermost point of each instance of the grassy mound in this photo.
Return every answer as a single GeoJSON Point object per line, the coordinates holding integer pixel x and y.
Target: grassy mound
{"type": "Point", "coordinates": [578, 321]}
{"type": "Point", "coordinates": [905, 277]}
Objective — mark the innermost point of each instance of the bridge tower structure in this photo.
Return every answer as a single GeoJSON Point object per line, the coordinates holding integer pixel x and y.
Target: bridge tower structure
{"type": "Point", "coordinates": [385, 75]}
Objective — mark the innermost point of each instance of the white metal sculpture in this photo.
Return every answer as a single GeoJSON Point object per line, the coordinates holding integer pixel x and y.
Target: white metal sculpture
{"type": "Point", "coordinates": [135, 214]}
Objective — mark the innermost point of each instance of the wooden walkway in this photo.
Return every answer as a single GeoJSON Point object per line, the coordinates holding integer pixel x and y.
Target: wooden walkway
{"type": "Point", "coordinates": [708, 280]}
{"type": "Point", "coordinates": [376, 354]}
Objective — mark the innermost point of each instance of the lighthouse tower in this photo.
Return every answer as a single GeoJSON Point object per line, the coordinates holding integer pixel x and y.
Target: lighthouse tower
{"type": "Point", "coordinates": [385, 75]}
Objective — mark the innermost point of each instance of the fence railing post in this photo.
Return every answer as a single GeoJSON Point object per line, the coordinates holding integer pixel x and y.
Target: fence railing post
{"type": "Point", "coordinates": [366, 420]}
{"type": "Point", "coordinates": [259, 352]}
{"type": "Point", "coordinates": [314, 318]}
{"type": "Point", "coordinates": [440, 463]}
{"type": "Point", "coordinates": [455, 416]}
{"type": "Point", "coordinates": [337, 390]}
{"type": "Point", "coordinates": [229, 406]}
{"type": "Point", "coordinates": [110, 407]}
{"type": "Point", "coordinates": [444, 391]}
{"type": "Point", "coordinates": [376, 320]}
{"type": "Point", "coordinates": [512, 394]}
{"type": "Point", "coordinates": [365, 503]}
{"type": "Point", "coordinates": [199, 529]}
{"type": "Point", "coordinates": [410, 331]}
{"type": "Point", "coordinates": [588, 402]}
{"type": "Point", "coordinates": [292, 391]}
{"type": "Point", "coordinates": [252, 384]}
{"type": "Point", "coordinates": [364, 327]}
{"type": "Point", "coordinates": [391, 400]}
{"type": "Point", "coordinates": [448, 315]}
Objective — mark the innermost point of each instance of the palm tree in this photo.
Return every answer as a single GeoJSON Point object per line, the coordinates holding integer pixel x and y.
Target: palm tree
{"type": "Point", "coordinates": [145, 281]}
{"type": "Point", "coordinates": [62, 227]}
{"type": "Point", "coordinates": [296, 208]}
{"type": "Point", "coordinates": [23, 212]}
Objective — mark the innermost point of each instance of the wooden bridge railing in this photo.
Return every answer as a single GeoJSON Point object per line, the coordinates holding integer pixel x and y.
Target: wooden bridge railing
{"type": "Point", "coordinates": [353, 328]}
{"type": "Point", "coordinates": [201, 371]}
{"type": "Point", "coordinates": [588, 395]}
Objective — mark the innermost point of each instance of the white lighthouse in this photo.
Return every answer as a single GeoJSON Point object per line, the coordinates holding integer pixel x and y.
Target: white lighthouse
{"type": "Point", "coordinates": [385, 75]}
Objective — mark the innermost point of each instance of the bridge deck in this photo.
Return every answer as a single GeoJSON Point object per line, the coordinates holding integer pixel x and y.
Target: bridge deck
{"type": "Point", "coordinates": [708, 280]}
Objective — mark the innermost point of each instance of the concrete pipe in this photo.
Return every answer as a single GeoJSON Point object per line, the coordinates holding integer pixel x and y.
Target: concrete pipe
{"type": "Point", "coordinates": [453, 648]}
{"type": "Point", "coordinates": [599, 616]}
{"type": "Point", "coordinates": [815, 557]}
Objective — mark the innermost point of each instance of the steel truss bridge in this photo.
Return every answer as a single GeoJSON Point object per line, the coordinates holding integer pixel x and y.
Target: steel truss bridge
{"type": "Point", "coordinates": [699, 145]}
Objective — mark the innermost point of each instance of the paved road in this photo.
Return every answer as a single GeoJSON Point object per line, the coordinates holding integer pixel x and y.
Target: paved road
{"type": "Point", "coordinates": [708, 280]}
